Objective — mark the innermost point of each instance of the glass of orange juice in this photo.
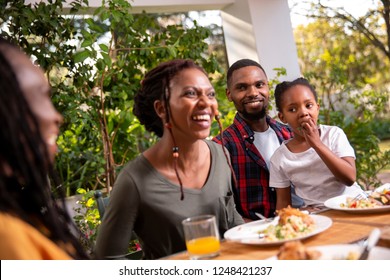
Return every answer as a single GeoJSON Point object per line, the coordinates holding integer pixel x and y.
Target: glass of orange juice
{"type": "Point", "coordinates": [202, 237]}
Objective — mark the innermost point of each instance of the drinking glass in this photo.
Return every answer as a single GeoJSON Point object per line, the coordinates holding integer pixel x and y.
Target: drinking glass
{"type": "Point", "coordinates": [202, 237]}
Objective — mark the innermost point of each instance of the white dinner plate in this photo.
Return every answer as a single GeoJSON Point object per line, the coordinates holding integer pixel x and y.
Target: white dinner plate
{"type": "Point", "coordinates": [341, 251]}
{"type": "Point", "coordinates": [334, 203]}
{"type": "Point", "coordinates": [247, 233]}
{"type": "Point", "coordinates": [383, 187]}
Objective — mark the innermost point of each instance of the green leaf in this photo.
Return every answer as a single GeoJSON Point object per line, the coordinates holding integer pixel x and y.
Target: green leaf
{"type": "Point", "coordinates": [107, 59]}
{"type": "Point", "coordinates": [81, 56]}
{"type": "Point", "coordinates": [104, 47]}
{"type": "Point", "coordinates": [172, 51]}
{"type": "Point", "coordinates": [81, 191]}
{"type": "Point", "coordinates": [90, 202]}
{"type": "Point", "coordinates": [86, 43]}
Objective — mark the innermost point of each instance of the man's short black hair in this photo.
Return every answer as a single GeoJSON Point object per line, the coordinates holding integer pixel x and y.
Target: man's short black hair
{"type": "Point", "coordinates": [240, 64]}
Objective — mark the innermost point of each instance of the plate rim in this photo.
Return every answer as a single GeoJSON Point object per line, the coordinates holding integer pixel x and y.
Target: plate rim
{"type": "Point", "coordinates": [324, 219]}
{"type": "Point", "coordinates": [354, 210]}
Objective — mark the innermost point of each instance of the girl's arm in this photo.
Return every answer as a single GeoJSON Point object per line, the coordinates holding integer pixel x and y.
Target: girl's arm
{"type": "Point", "coordinates": [283, 197]}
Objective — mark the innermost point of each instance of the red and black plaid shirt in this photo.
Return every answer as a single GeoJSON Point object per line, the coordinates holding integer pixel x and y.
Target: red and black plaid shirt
{"type": "Point", "coordinates": [252, 193]}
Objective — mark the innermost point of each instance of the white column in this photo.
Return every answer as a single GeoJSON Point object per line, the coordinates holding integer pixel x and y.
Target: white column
{"type": "Point", "coordinates": [261, 30]}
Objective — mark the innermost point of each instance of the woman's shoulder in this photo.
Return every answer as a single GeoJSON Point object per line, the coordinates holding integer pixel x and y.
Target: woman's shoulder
{"type": "Point", "coordinates": [20, 240]}
{"type": "Point", "coordinates": [217, 150]}
{"type": "Point", "coordinates": [136, 165]}
{"type": "Point", "coordinates": [10, 224]}
{"type": "Point", "coordinates": [137, 176]}
{"type": "Point", "coordinates": [214, 146]}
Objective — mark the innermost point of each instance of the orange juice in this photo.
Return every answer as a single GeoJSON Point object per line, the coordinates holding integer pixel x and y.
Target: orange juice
{"type": "Point", "coordinates": [203, 245]}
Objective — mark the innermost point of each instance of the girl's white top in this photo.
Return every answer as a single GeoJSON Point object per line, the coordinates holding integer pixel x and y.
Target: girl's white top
{"type": "Point", "coordinates": [313, 180]}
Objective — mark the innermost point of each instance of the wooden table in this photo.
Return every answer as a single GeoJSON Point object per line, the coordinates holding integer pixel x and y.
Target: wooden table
{"type": "Point", "coordinates": [346, 228]}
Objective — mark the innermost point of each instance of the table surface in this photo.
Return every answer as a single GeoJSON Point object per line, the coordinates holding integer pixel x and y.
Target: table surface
{"type": "Point", "coordinates": [346, 228]}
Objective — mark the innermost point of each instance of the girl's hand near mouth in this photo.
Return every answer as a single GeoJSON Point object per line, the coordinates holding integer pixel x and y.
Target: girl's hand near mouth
{"type": "Point", "coordinates": [311, 133]}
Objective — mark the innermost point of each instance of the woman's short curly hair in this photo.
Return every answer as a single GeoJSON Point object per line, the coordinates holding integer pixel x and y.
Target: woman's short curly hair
{"type": "Point", "coordinates": [155, 86]}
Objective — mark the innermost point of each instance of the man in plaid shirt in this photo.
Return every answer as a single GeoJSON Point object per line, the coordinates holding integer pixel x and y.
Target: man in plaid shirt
{"type": "Point", "coordinates": [252, 139]}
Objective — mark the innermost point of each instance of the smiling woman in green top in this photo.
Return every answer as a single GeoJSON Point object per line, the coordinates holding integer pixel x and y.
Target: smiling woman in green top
{"type": "Point", "coordinates": [182, 175]}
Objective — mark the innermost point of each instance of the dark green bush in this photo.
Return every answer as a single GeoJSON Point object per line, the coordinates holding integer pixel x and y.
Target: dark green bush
{"type": "Point", "coordinates": [381, 128]}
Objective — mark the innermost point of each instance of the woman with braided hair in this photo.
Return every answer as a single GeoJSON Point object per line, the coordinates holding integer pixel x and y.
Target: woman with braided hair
{"type": "Point", "coordinates": [32, 224]}
{"type": "Point", "coordinates": [182, 175]}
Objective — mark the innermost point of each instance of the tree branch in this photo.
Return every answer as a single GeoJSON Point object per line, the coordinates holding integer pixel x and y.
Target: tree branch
{"type": "Point", "coordinates": [358, 24]}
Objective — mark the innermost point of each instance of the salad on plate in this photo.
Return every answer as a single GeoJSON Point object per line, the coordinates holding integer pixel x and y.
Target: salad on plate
{"type": "Point", "coordinates": [293, 223]}
{"type": "Point", "coordinates": [290, 224]}
{"type": "Point", "coordinates": [376, 198]}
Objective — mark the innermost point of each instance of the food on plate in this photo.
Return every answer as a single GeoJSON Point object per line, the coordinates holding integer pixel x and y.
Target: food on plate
{"type": "Point", "coordinates": [360, 204]}
{"type": "Point", "coordinates": [286, 213]}
{"type": "Point", "coordinates": [293, 223]}
{"type": "Point", "coordinates": [295, 250]}
{"type": "Point", "coordinates": [382, 196]}
{"type": "Point", "coordinates": [375, 199]}
{"type": "Point", "coordinates": [352, 255]}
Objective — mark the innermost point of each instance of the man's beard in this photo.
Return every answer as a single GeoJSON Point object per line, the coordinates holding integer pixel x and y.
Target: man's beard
{"type": "Point", "coordinates": [255, 115]}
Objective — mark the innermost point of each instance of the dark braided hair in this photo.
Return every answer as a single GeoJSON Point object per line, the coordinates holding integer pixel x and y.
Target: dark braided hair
{"type": "Point", "coordinates": [155, 86]}
{"type": "Point", "coordinates": [241, 64]}
{"type": "Point", "coordinates": [24, 165]}
{"type": "Point", "coordinates": [286, 85]}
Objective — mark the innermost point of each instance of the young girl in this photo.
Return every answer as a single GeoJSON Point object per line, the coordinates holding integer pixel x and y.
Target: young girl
{"type": "Point", "coordinates": [318, 160]}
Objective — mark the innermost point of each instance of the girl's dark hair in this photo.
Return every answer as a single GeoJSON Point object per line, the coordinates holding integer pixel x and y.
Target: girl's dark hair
{"type": "Point", "coordinates": [284, 86]}
{"type": "Point", "coordinates": [155, 86]}
{"type": "Point", "coordinates": [25, 190]}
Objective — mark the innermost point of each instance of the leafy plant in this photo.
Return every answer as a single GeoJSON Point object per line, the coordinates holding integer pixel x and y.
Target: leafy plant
{"type": "Point", "coordinates": [95, 64]}
{"type": "Point", "coordinates": [381, 128]}
{"type": "Point", "coordinates": [87, 219]}
{"type": "Point", "coordinates": [370, 159]}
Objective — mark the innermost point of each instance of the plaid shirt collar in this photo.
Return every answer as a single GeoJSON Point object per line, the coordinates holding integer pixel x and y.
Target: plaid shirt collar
{"type": "Point", "coordinates": [282, 131]}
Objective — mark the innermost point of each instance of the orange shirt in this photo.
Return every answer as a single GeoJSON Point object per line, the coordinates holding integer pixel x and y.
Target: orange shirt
{"type": "Point", "coordinates": [20, 241]}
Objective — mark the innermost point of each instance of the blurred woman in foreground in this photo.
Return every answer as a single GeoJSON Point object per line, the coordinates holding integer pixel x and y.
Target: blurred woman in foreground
{"type": "Point", "coordinates": [32, 224]}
